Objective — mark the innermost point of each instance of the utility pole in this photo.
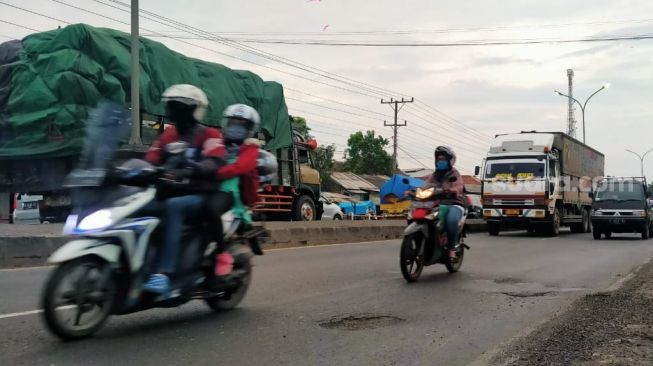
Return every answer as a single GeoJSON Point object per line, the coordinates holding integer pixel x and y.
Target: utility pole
{"type": "Point", "coordinates": [135, 137]}
{"type": "Point", "coordinates": [394, 104]}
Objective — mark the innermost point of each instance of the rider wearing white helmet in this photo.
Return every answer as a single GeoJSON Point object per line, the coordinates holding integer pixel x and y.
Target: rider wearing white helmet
{"type": "Point", "coordinates": [185, 107]}
{"type": "Point", "coordinates": [239, 177]}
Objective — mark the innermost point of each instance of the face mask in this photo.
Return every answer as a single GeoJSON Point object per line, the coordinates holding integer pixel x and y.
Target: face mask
{"type": "Point", "coordinates": [442, 165]}
{"type": "Point", "coordinates": [236, 133]}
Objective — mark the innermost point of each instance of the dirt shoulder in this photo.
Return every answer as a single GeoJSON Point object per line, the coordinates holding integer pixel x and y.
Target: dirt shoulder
{"type": "Point", "coordinates": [606, 328]}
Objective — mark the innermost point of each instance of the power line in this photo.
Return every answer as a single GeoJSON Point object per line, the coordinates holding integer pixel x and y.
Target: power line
{"type": "Point", "coordinates": [18, 25]}
{"type": "Point", "coordinates": [33, 12]}
{"type": "Point", "coordinates": [454, 44]}
{"type": "Point", "coordinates": [337, 102]}
{"type": "Point", "coordinates": [365, 86]}
{"type": "Point", "coordinates": [441, 30]}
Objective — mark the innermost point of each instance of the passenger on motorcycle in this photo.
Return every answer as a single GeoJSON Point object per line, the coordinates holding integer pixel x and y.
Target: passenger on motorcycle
{"type": "Point", "coordinates": [447, 177]}
{"type": "Point", "coordinates": [239, 178]}
{"type": "Point", "coordinates": [185, 107]}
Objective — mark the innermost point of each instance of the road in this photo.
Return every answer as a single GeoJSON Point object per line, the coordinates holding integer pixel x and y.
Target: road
{"type": "Point", "coordinates": [507, 284]}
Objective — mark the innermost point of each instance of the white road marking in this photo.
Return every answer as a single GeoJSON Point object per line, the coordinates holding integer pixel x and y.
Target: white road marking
{"type": "Point", "coordinates": [379, 242]}
{"type": "Point", "coordinates": [24, 313]}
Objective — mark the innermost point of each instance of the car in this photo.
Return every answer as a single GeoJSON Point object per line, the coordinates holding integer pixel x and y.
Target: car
{"type": "Point", "coordinates": [27, 209]}
{"type": "Point", "coordinates": [332, 210]}
{"type": "Point", "coordinates": [621, 205]}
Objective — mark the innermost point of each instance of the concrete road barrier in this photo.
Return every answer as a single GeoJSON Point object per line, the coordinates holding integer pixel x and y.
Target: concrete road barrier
{"type": "Point", "coordinates": [24, 250]}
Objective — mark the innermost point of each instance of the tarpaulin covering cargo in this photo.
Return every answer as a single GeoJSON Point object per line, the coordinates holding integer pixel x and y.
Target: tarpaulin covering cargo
{"type": "Point", "coordinates": [395, 188]}
{"type": "Point", "coordinates": [50, 80]}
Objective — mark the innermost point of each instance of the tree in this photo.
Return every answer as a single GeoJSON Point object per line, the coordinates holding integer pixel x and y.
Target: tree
{"type": "Point", "coordinates": [366, 154]}
{"type": "Point", "coordinates": [324, 163]}
{"type": "Point", "coordinates": [299, 124]}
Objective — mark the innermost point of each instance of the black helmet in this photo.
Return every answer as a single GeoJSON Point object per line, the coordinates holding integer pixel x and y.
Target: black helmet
{"type": "Point", "coordinates": [446, 151]}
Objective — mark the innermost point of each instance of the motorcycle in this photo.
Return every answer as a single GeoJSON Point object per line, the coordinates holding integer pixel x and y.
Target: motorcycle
{"type": "Point", "coordinates": [102, 271]}
{"type": "Point", "coordinates": [424, 241]}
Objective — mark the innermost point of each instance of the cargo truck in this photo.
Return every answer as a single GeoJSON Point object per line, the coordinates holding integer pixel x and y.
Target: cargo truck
{"type": "Point", "coordinates": [539, 181]}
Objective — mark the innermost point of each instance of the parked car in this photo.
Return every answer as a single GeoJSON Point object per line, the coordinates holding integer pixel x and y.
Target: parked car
{"type": "Point", "coordinates": [27, 209]}
{"type": "Point", "coordinates": [332, 210]}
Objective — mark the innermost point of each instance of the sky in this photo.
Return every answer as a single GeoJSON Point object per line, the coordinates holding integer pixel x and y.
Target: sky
{"type": "Point", "coordinates": [464, 94]}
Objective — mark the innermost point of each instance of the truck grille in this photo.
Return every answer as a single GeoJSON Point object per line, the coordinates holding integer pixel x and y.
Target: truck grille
{"type": "Point", "coordinates": [613, 213]}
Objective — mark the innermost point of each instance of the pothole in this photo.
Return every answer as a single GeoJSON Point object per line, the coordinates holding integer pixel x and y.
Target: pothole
{"type": "Point", "coordinates": [527, 293]}
{"type": "Point", "coordinates": [361, 322]}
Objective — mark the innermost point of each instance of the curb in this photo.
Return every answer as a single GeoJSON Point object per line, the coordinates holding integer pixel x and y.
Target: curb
{"type": "Point", "coordinates": [33, 251]}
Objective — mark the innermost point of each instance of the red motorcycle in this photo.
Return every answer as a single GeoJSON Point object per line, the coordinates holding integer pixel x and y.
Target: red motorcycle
{"type": "Point", "coordinates": [425, 242]}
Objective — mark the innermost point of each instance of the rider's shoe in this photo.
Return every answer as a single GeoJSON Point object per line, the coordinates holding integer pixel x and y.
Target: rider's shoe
{"type": "Point", "coordinates": [157, 283]}
{"type": "Point", "coordinates": [224, 264]}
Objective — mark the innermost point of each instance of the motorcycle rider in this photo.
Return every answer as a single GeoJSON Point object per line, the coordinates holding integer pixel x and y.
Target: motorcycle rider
{"type": "Point", "coordinates": [185, 107]}
{"type": "Point", "coordinates": [448, 178]}
{"type": "Point", "coordinates": [239, 178]}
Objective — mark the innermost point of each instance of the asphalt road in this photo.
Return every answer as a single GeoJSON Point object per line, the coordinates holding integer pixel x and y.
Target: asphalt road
{"type": "Point", "coordinates": [507, 284]}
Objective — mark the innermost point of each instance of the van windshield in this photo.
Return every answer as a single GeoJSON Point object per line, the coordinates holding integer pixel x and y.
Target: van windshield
{"type": "Point", "coordinates": [515, 170]}
{"type": "Point", "coordinates": [620, 192]}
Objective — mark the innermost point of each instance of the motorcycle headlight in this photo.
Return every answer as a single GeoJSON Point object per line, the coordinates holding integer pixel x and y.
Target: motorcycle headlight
{"type": "Point", "coordinates": [424, 193]}
{"type": "Point", "coordinates": [98, 220]}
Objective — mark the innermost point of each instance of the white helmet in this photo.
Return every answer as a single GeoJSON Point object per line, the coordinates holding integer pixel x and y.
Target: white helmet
{"type": "Point", "coordinates": [242, 112]}
{"type": "Point", "coordinates": [189, 95]}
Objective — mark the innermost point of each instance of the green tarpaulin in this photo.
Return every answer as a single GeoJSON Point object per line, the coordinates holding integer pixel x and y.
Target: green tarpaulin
{"type": "Point", "coordinates": [50, 80]}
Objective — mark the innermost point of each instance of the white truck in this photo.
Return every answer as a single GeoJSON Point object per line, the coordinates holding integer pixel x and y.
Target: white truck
{"type": "Point", "coordinates": [539, 180]}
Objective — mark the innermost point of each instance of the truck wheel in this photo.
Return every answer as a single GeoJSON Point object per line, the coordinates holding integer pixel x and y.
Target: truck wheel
{"type": "Point", "coordinates": [493, 228]}
{"type": "Point", "coordinates": [554, 229]}
{"type": "Point", "coordinates": [304, 209]}
{"type": "Point", "coordinates": [596, 234]}
{"type": "Point", "coordinates": [608, 234]}
{"type": "Point", "coordinates": [645, 233]}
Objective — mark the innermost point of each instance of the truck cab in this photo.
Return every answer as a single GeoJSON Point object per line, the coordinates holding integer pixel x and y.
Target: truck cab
{"type": "Point", "coordinates": [535, 180]}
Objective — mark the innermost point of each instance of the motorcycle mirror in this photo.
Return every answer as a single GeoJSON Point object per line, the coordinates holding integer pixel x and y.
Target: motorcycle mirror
{"type": "Point", "coordinates": [477, 170]}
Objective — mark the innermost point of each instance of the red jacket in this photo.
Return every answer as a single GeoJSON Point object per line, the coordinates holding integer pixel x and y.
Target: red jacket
{"type": "Point", "coordinates": [245, 168]}
{"type": "Point", "coordinates": [208, 142]}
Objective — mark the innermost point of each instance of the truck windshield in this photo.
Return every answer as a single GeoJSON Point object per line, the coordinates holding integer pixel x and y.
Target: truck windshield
{"type": "Point", "coordinates": [620, 192]}
{"type": "Point", "coordinates": [515, 170]}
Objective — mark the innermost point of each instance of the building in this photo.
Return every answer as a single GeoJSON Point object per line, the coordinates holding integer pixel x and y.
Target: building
{"type": "Point", "coordinates": [353, 185]}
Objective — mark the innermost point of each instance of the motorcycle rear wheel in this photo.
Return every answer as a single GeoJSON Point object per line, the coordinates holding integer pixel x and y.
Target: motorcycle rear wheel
{"type": "Point", "coordinates": [231, 299]}
{"type": "Point", "coordinates": [410, 261]}
{"type": "Point", "coordinates": [86, 287]}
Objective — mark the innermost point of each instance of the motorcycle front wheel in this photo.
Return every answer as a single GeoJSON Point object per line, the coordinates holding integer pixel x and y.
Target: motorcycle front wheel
{"type": "Point", "coordinates": [78, 297]}
{"type": "Point", "coordinates": [411, 262]}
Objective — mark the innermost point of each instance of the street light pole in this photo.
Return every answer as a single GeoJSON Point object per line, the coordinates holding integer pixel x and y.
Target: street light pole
{"type": "Point", "coordinates": [583, 105]}
{"type": "Point", "coordinates": [641, 158]}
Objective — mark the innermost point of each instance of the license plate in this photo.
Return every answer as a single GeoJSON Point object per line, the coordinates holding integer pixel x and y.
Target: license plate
{"type": "Point", "coordinates": [511, 212]}
{"type": "Point", "coordinates": [418, 204]}
{"type": "Point", "coordinates": [618, 221]}
{"type": "Point", "coordinates": [30, 205]}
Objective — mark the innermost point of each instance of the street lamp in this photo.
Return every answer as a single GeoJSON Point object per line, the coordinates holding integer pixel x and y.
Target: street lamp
{"type": "Point", "coordinates": [641, 158]}
{"type": "Point", "coordinates": [582, 106]}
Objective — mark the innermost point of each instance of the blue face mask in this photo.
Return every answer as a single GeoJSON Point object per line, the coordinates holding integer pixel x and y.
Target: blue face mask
{"type": "Point", "coordinates": [236, 133]}
{"type": "Point", "coordinates": [442, 165]}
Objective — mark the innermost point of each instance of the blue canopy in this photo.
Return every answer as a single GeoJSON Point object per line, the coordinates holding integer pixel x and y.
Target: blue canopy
{"type": "Point", "coordinates": [360, 208]}
{"type": "Point", "coordinates": [398, 185]}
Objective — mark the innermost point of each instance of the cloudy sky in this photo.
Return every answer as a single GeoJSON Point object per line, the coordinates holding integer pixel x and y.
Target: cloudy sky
{"type": "Point", "coordinates": [465, 94]}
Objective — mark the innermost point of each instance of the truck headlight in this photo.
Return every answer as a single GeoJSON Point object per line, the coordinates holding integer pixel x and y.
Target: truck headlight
{"type": "Point", "coordinates": [98, 220]}
{"type": "Point", "coordinates": [639, 213]}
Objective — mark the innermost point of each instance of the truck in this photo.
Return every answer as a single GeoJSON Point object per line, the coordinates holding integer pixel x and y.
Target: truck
{"type": "Point", "coordinates": [50, 81]}
{"type": "Point", "coordinates": [539, 181]}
